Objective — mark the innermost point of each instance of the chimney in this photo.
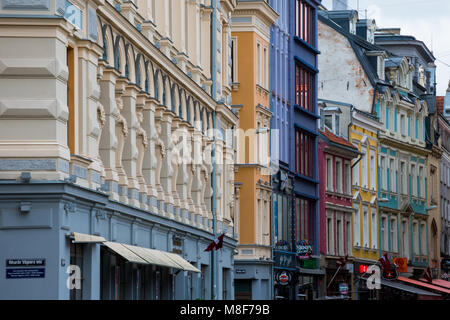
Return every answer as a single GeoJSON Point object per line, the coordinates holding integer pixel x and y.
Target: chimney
{"type": "Point", "coordinates": [340, 4]}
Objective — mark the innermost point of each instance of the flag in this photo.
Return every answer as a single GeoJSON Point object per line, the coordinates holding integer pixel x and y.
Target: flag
{"type": "Point", "coordinates": [216, 244]}
{"type": "Point", "coordinates": [384, 260]}
{"type": "Point", "coordinates": [342, 261]}
{"type": "Point", "coordinates": [427, 275]}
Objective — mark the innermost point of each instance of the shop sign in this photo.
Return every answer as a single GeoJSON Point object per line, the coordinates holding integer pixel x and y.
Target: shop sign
{"type": "Point", "coordinates": [282, 245]}
{"type": "Point", "coordinates": [304, 249]}
{"type": "Point", "coordinates": [343, 288]}
{"type": "Point", "coordinates": [177, 245]}
{"type": "Point", "coordinates": [284, 259]}
{"type": "Point", "coordinates": [25, 262]}
{"type": "Point", "coordinates": [402, 264]}
{"type": "Point", "coordinates": [284, 278]}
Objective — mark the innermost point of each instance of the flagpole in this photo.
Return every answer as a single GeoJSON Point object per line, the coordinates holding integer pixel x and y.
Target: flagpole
{"type": "Point", "coordinates": [334, 276]}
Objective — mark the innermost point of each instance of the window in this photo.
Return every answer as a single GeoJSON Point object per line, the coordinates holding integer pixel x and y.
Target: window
{"type": "Point", "coordinates": [304, 21]}
{"type": "Point", "coordinates": [304, 151]}
{"type": "Point", "coordinates": [357, 227]}
{"type": "Point", "coordinates": [348, 237]}
{"type": "Point", "coordinates": [413, 180]}
{"type": "Point", "coordinates": [339, 242]}
{"type": "Point", "coordinates": [233, 60]}
{"type": "Point", "coordinates": [303, 213]}
{"type": "Point", "coordinates": [76, 259]}
{"type": "Point", "coordinates": [304, 88]}
{"type": "Point", "coordinates": [383, 169]}
{"type": "Point", "coordinates": [421, 179]}
{"type": "Point", "coordinates": [393, 231]}
{"type": "Point", "coordinates": [404, 239]}
{"type": "Point", "coordinates": [403, 183]}
{"type": "Point", "coordinates": [392, 178]}
{"type": "Point", "coordinates": [356, 177]}
{"type": "Point", "coordinates": [364, 170]}
{"type": "Point", "coordinates": [384, 235]}
{"type": "Point", "coordinates": [373, 169]}
{"type": "Point", "coordinates": [338, 172]}
{"type": "Point", "coordinates": [348, 177]}
{"type": "Point", "coordinates": [265, 69]}
{"type": "Point", "coordinates": [423, 239]}
{"type": "Point", "coordinates": [373, 224]}
{"type": "Point", "coordinates": [416, 238]}
{"type": "Point", "coordinates": [329, 174]}
{"type": "Point", "coordinates": [71, 100]}
{"type": "Point", "coordinates": [258, 67]}
{"type": "Point", "coordinates": [330, 249]}
{"type": "Point", "coordinates": [366, 227]}
{"type": "Point", "coordinates": [403, 124]}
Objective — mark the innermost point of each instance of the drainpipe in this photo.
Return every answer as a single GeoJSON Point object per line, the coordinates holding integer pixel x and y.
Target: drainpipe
{"type": "Point", "coordinates": [214, 96]}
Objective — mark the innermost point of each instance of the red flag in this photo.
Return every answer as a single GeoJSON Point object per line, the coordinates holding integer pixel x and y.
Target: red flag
{"type": "Point", "coordinates": [216, 244]}
{"type": "Point", "coordinates": [342, 261]}
{"type": "Point", "coordinates": [427, 275]}
{"type": "Point", "coordinates": [384, 260]}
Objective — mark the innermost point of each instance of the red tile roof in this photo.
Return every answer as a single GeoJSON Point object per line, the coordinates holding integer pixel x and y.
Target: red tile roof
{"type": "Point", "coordinates": [338, 140]}
{"type": "Point", "coordinates": [440, 104]}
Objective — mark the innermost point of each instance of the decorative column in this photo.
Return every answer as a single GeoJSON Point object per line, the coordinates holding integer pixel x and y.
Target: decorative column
{"type": "Point", "coordinates": [121, 134]}
{"type": "Point", "coordinates": [150, 161]}
{"type": "Point", "coordinates": [108, 140]}
{"type": "Point", "coordinates": [142, 145]}
{"type": "Point", "coordinates": [184, 175]}
{"type": "Point", "coordinates": [176, 161]}
{"type": "Point", "coordinates": [130, 151]}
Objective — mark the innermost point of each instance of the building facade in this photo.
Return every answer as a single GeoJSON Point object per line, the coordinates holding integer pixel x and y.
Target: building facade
{"type": "Point", "coordinates": [125, 105]}
{"type": "Point", "coordinates": [251, 22]}
{"type": "Point", "coordinates": [303, 130]}
{"type": "Point", "coordinates": [336, 207]}
{"type": "Point", "coordinates": [421, 82]}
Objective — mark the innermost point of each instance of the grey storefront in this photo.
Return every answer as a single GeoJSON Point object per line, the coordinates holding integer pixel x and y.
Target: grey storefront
{"type": "Point", "coordinates": [52, 234]}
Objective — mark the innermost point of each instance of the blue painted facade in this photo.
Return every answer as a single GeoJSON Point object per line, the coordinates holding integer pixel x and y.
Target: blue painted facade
{"type": "Point", "coordinates": [288, 50]}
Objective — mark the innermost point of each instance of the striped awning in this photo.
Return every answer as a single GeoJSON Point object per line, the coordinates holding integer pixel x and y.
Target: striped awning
{"type": "Point", "coordinates": [86, 238]}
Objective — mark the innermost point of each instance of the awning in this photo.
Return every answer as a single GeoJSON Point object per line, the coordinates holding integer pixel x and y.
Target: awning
{"type": "Point", "coordinates": [316, 272]}
{"type": "Point", "coordinates": [424, 284]}
{"type": "Point", "coordinates": [85, 238]}
{"type": "Point", "coordinates": [153, 256]}
{"type": "Point", "coordinates": [150, 256]}
{"type": "Point", "coordinates": [183, 263]}
{"type": "Point", "coordinates": [440, 282]}
{"type": "Point", "coordinates": [127, 254]}
{"type": "Point", "coordinates": [404, 287]}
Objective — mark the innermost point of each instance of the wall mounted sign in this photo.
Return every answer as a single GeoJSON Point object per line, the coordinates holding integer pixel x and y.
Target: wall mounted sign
{"type": "Point", "coordinates": [282, 245]}
{"type": "Point", "coordinates": [24, 273]}
{"type": "Point", "coordinates": [284, 278]}
{"type": "Point", "coordinates": [25, 262]}
{"type": "Point", "coordinates": [284, 259]}
{"type": "Point", "coordinates": [304, 249]}
{"type": "Point", "coordinates": [402, 264]}
{"type": "Point", "coordinates": [343, 288]}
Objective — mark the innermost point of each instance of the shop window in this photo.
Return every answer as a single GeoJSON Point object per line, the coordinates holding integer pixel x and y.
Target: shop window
{"type": "Point", "coordinates": [77, 259]}
{"type": "Point", "coordinates": [243, 289]}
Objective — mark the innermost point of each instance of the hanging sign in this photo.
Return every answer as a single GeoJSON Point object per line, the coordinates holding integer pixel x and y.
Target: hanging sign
{"type": "Point", "coordinates": [304, 249]}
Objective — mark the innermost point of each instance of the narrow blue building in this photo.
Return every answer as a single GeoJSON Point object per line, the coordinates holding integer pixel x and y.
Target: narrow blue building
{"type": "Point", "coordinates": [294, 124]}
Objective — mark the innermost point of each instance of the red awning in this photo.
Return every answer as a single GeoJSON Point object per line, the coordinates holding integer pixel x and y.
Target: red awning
{"type": "Point", "coordinates": [424, 284]}
{"type": "Point", "coordinates": [440, 283]}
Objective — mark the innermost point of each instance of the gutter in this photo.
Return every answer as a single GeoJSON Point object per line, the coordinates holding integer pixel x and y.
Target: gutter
{"type": "Point", "coordinates": [214, 182]}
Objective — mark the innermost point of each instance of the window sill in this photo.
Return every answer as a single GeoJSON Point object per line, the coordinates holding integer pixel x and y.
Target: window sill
{"type": "Point", "coordinates": [307, 112]}
{"type": "Point", "coordinates": [306, 45]}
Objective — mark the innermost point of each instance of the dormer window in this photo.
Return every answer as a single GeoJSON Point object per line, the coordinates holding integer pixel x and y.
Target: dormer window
{"type": "Point", "coordinates": [332, 119]}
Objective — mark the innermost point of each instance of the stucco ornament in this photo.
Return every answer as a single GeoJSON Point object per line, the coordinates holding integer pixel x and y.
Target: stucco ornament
{"type": "Point", "coordinates": [159, 141]}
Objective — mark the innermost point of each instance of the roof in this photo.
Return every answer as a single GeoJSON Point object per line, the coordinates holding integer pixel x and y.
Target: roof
{"type": "Point", "coordinates": [337, 140]}
{"type": "Point", "coordinates": [440, 104]}
{"type": "Point", "coordinates": [403, 287]}
{"type": "Point", "coordinates": [360, 46]}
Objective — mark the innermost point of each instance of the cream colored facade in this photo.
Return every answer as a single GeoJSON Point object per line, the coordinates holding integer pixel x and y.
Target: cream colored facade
{"type": "Point", "coordinates": [111, 101]}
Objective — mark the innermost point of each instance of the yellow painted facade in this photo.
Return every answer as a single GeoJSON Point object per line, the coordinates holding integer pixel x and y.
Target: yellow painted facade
{"type": "Point", "coordinates": [365, 195]}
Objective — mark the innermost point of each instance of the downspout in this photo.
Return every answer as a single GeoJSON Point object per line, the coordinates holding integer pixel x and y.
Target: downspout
{"type": "Point", "coordinates": [214, 96]}
{"type": "Point", "coordinates": [272, 219]}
